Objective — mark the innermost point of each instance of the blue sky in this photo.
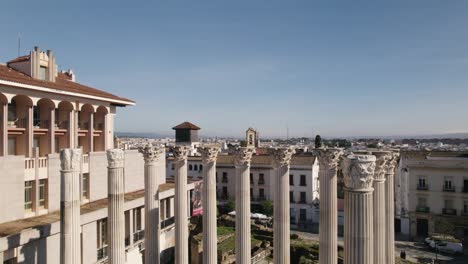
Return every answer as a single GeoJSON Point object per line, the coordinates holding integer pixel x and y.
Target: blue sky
{"type": "Point", "coordinates": [331, 67]}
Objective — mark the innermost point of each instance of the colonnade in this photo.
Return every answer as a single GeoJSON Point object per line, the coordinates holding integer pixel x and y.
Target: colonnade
{"type": "Point", "coordinates": [368, 179]}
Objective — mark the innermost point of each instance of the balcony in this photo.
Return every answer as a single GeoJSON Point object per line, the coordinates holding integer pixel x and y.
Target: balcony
{"type": "Point", "coordinates": [139, 235]}
{"type": "Point", "coordinates": [422, 187]}
{"type": "Point", "coordinates": [168, 222]}
{"type": "Point", "coordinates": [423, 209]}
{"type": "Point", "coordinates": [102, 253]}
{"type": "Point", "coordinates": [449, 211]}
{"type": "Point", "coordinates": [447, 188]}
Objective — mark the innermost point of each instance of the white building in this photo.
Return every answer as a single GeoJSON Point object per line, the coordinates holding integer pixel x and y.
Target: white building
{"type": "Point", "coordinates": [432, 193]}
{"type": "Point", "coordinates": [42, 111]}
{"type": "Point", "coordinates": [303, 183]}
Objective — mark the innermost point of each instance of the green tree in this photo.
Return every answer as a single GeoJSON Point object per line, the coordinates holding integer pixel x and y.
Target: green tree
{"type": "Point", "coordinates": [267, 208]}
{"type": "Point", "coordinates": [231, 205]}
{"type": "Point", "coordinates": [318, 141]}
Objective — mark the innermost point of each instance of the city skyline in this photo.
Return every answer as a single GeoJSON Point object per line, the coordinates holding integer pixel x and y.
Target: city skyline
{"type": "Point", "coordinates": [333, 69]}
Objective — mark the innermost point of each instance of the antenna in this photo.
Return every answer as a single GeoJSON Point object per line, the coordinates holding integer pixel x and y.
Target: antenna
{"type": "Point", "coordinates": [19, 44]}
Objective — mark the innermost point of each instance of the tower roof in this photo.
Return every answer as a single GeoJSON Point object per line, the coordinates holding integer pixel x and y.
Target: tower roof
{"type": "Point", "coordinates": [186, 125]}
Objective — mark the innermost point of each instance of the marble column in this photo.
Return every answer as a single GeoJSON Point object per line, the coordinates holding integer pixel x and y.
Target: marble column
{"type": "Point", "coordinates": [390, 208]}
{"type": "Point", "coordinates": [154, 159]}
{"type": "Point", "coordinates": [379, 206]}
{"type": "Point", "coordinates": [210, 237]}
{"type": "Point", "coordinates": [328, 195]}
{"type": "Point", "coordinates": [116, 217]}
{"type": "Point", "coordinates": [243, 157]}
{"type": "Point", "coordinates": [358, 173]}
{"type": "Point", "coordinates": [281, 233]}
{"type": "Point", "coordinates": [70, 242]}
{"type": "Point", "coordinates": [181, 221]}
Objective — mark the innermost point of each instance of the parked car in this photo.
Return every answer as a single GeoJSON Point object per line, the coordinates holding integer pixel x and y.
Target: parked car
{"type": "Point", "coordinates": [445, 244]}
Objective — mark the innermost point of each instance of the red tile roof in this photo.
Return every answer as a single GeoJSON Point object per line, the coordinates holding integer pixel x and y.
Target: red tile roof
{"type": "Point", "coordinates": [61, 83]}
{"type": "Point", "coordinates": [186, 125]}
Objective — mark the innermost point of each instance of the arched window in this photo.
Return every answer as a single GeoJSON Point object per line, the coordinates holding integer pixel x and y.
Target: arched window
{"type": "Point", "coordinates": [190, 167]}
{"type": "Point", "coordinates": [195, 167]}
{"type": "Point", "coordinates": [201, 167]}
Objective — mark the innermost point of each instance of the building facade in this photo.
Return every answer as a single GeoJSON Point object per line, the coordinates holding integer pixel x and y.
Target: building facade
{"type": "Point", "coordinates": [42, 111]}
{"type": "Point", "coordinates": [433, 193]}
{"type": "Point", "coordinates": [303, 181]}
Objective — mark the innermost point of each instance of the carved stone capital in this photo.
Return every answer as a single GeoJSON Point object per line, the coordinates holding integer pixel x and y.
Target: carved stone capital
{"type": "Point", "coordinates": [382, 158]}
{"type": "Point", "coordinates": [328, 158]}
{"type": "Point", "coordinates": [243, 156]}
{"type": "Point", "coordinates": [392, 163]}
{"type": "Point", "coordinates": [70, 159]}
{"type": "Point", "coordinates": [115, 158]}
{"type": "Point", "coordinates": [181, 153]}
{"type": "Point", "coordinates": [281, 156]}
{"type": "Point", "coordinates": [358, 171]}
{"type": "Point", "coordinates": [152, 154]}
{"type": "Point", "coordinates": [209, 153]}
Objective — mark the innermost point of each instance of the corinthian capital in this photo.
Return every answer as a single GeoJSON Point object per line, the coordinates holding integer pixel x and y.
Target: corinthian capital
{"type": "Point", "coordinates": [152, 154]}
{"type": "Point", "coordinates": [243, 156]}
{"type": "Point", "coordinates": [382, 158]}
{"type": "Point", "coordinates": [358, 171]}
{"type": "Point", "coordinates": [115, 158]}
{"type": "Point", "coordinates": [328, 158]}
{"type": "Point", "coordinates": [181, 153]}
{"type": "Point", "coordinates": [70, 159]}
{"type": "Point", "coordinates": [392, 162]}
{"type": "Point", "coordinates": [209, 153]}
{"type": "Point", "coordinates": [281, 156]}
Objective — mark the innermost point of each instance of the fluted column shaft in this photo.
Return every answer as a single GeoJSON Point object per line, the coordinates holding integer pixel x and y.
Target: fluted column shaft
{"type": "Point", "coordinates": [154, 169]}
{"type": "Point", "coordinates": [328, 222]}
{"type": "Point", "coordinates": [181, 221]}
{"type": "Point", "coordinates": [70, 246]}
{"type": "Point", "coordinates": [243, 243]}
{"type": "Point", "coordinates": [281, 227]}
{"type": "Point", "coordinates": [390, 209]}
{"type": "Point", "coordinates": [210, 237]}
{"type": "Point", "coordinates": [116, 217]}
{"type": "Point", "coordinates": [358, 236]}
{"type": "Point", "coordinates": [379, 206]}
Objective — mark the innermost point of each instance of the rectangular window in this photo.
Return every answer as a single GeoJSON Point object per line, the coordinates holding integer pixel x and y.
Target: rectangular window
{"type": "Point", "coordinates": [251, 193]}
{"type": "Point", "coordinates": [465, 185]}
{"type": "Point", "coordinates": [303, 197]}
{"type": "Point", "coordinates": [261, 192]}
{"type": "Point", "coordinates": [172, 166]}
{"type": "Point", "coordinates": [42, 73]}
{"type": "Point", "coordinates": [422, 183]}
{"type": "Point", "coordinates": [225, 179]}
{"type": "Point", "coordinates": [168, 208]}
{"type": "Point", "coordinates": [251, 178]}
{"type": "Point", "coordinates": [465, 207]}
{"type": "Point", "coordinates": [303, 180]}
{"type": "Point", "coordinates": [29, 196]}
{"type": "Point", "coordinates": [12, 146]}
{"type": "Point", "coordinates": [291, 179]}
{"type": "Point", "coordinates": [225, 192]}
{"type": "Point", "coordinates": [101, 239]}
{"type": "Point", "coordinates": [261, 178]}
{"type": "Point", "coordinates": [85, 186]}
{"type": "Point", "coordinates": [43, 191]}
{"type": "Point", "coordinates": [291, 197]}
{"type": "Point", "coordinates": [302, 215]}
{"type": "Point", "coordinates": [137, 225]}
{"type": "Point", "coordinates": [448, 184]}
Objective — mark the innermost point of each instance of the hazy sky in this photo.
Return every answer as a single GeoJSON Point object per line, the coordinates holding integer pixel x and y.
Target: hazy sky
{"type": "Point", "coordinates": [338, 68]}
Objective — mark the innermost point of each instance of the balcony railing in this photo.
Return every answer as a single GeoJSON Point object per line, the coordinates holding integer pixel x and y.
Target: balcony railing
{"type": "Point", "coordinates": [102, 253]}
{"type": "Point", "coordinates": [139, 235]}
{"type": "Point", "coordinates": [61, 124]}
{"type": "Point", "coordinates": [447, 188]}
{"type": "Point", "coordinates": [423, 209]}
{"type": "Point", "coordinates": [17, 123]}
{"type": "Point", "coordinates": [449, 211]}
{"type": "Point", "coordinates": [167, 222]}
{"type": "Point", "coordinates": [422, 187]}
